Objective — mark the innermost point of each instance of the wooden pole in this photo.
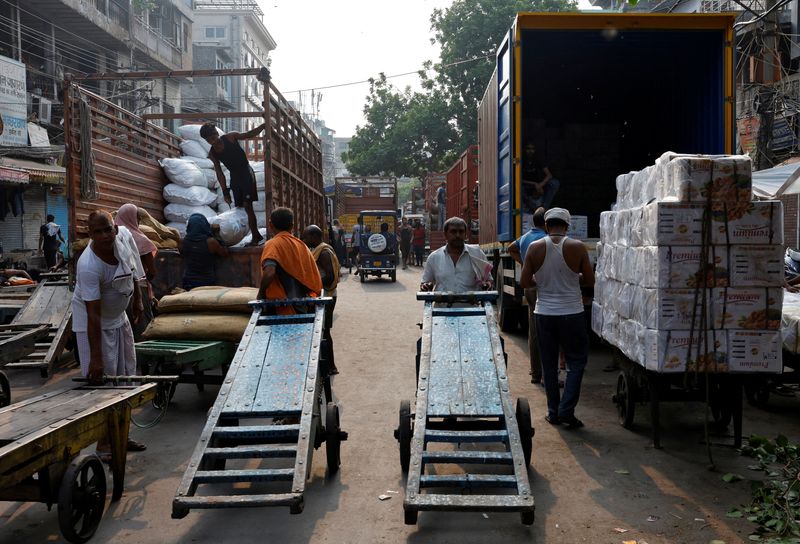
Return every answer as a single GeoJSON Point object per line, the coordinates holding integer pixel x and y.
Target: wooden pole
{"type": "Point", "coordinates": [265, 78]}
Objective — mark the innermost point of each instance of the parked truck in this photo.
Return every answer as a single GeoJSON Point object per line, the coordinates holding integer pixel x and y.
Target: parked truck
{"type": "Point", "coordinates": [599, 94]}
{"type": "Point", "coordinates": [352, 195]}
{"type": "Point", "coordinates": [462, 190]}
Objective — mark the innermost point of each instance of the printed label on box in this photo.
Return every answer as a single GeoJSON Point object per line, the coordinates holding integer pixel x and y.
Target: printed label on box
{"type": "Point", "coordinates": [755, 351]}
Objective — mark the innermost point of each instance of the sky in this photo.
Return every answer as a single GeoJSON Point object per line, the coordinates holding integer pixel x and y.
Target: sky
{"type": "Point", "coordinates": [323, 43]}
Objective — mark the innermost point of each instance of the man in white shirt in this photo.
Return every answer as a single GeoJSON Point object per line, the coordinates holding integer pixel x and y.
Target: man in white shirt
{"type": "Point", "coordinates": [106, 279]}
{"type": "Point", "coordinates": [456, 267]}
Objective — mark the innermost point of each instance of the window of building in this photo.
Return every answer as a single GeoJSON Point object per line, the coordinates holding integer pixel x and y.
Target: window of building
{"type": "Point", "coordinates": [187, 36]}
{"type": "Point", "coordinates": [215, 32]}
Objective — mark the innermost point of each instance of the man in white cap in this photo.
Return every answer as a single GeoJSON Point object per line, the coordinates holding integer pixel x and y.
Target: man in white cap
{"type": "Point", "coordinates": [559, 266]}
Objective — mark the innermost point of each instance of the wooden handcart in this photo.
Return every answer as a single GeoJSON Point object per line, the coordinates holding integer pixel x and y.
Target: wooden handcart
{"type": "Point", "coordinates": [464, 416]}
{"type": "Point", "coordinates": [50, 305]}
{"type": "Point", "coordinates": [15, 342]}
{"type": "Point", "coordinates": [190, 360]}
{"type": "Point", "coordinates": [272, 410]}
{"type": "Point", "coordinates": [639, 386]}
{"type": "Point", "coordinates": [40, 451]}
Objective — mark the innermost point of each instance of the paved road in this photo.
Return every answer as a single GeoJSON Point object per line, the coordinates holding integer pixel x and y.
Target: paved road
{"type": "Point", "coordinates": [578, 477]}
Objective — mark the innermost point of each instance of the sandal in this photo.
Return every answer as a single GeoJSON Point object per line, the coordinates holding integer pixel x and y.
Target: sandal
{"type": "Point", "coordinates": [552, 420]}
{"type": "Point", "coordinates": [572, 422]}
{"type": "Point", "coordinates": [133, 445]}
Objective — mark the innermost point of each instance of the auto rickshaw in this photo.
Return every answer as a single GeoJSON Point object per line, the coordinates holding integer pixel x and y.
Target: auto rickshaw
{"type": "Point", "coordinates": [378, 251]}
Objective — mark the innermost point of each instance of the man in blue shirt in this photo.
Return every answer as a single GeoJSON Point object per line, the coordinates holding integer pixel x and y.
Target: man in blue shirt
{"type": "Point", "coordinates": [517, 250]}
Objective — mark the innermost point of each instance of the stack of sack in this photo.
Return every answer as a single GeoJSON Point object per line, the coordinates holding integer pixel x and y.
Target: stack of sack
{"type": "Point", "coordinates": [204, 313]}
{"type": "Point", "coordinates": [194, 188]}
{"type": "Point", "coordinates": [690, 269]}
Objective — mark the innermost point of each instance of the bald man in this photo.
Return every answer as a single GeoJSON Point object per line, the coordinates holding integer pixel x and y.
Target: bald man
{"type": "Point", "coordinates": [328, 264]}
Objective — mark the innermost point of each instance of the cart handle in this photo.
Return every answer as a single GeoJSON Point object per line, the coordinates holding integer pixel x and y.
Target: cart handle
{"type": "Point", "coordinates": [289, 302]}
{"type": "Point", "coordinates": [449, 296]}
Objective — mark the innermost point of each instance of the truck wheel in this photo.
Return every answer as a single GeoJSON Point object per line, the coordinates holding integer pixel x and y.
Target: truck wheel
{"type": "Point", "coordinates": [393, 275]}
{"type": "Point", "coordinates": [362, 276]}
{"type": "Point", "coordinates": [507, 319]}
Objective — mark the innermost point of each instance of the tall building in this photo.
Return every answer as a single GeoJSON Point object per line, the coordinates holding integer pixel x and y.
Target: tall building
{"type": "Point", "coordinates": [341, 145]}
{"type": "Point", "coordinates": [228, 34]}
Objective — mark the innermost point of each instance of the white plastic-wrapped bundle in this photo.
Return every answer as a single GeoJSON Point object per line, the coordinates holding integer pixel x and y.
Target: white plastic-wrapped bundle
{"type": "Point", "coordinates": [232, 226]}
{"type": "Point", "coordinates": [192, 132]}
{"type": "Point", "coordinates": [257, 166]}
{"type": "Point", "coordinates": [259, 180]}
{"type": "Point", "coordinates": [181, 212]}
{"type": "Point", "coordinates": [182, 172]}
{"type": "Point", "coordinates": [261, 204]}
{"type": "Point", "coordinates": [220, 203]}
{"type": "Point", "coordinates": [193, 148]}
{"type": "Point", "coordinates": [721, 178]}
{"type": "Point", "coordinates": [597, 318]}
{"type": "Point", "coordinates": [180, 226]}
{"type": "Point", "coordinates": [211, 178]}
{"type": "Point", "coordinates": [247, 239]}
{"type": "Point", "coordinates": [201, 162]}
{"type": "Point", "coordinates": [191, 196]}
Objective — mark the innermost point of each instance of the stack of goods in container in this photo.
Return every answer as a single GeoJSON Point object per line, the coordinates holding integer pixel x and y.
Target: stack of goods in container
{"type": "Point", "coordinates": [204, 313]}
{"type": "Point", "coordinates": [690, 269]}
{"type": "Point", "coordinates": [194, 188]}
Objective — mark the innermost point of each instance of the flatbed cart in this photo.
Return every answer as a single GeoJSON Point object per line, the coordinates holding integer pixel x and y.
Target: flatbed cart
{"type": "Point", "coordinates": [190, 360]}
{"type": "Point", "coordinates": [16, 342]}
{"type": "Point", "coordinates": [40, 451]}
{"type": "Point", "coordinates": [463, 399]}
{"type": "Point", "coordinates": [639, 386]}
{"type": "Point", "coordinates": [51, 305]}
{"type": "Point", "coordinates": [272, 410]}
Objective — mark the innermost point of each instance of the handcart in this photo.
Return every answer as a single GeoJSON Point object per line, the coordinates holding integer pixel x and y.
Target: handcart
{"type": "Point", "coordinates": [639, 386]}
{"type": "Point", "coordinates": [190, 360]}
{"type": "Point", "coordinates": [16, 342]}
{"type": "Point", "coordinates": [40, 451]}
{"type": "Point", "coordinates": [50, 305]}
{"type": "Point", "coordinates": [272, 410]}
{"type": "Point", "coordinates": [464, 416]}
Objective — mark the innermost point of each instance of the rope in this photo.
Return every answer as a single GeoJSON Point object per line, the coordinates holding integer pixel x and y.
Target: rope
{"type": "Point", "coordinates": [88, 179]}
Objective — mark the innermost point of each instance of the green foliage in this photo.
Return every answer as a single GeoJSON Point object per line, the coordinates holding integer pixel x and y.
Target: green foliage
{"type": "Point", "coordinates": [404, 190]}
{"type": "Point", "coordinates": [775, 507]}
{"type": "Point", "coordinates": [416, 133]}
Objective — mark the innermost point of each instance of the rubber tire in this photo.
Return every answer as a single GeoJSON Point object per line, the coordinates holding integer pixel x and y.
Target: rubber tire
{"type": "Point", "coordinates": [5, 390]}
{"type": "Point", "coordinates": [333, 442]}
{"type": "Point", "coordinates": [625, 399]}
{"type": "Point", "coordinates": [393, 275]}
{"type": "Point", "coordinates": [90, 497]}
{"type": "Point", "coordinates": [404, 433]}
{"type": "Point", "coordinates": [526, 432]}
{"type": "Point", "coordinates": [362, 276]}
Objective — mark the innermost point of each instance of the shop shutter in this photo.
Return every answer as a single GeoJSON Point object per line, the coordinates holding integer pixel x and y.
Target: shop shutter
{"type": "Point", "coordinates": [57, 206]}
{"type": "Point", "coordinates": [11, 233]}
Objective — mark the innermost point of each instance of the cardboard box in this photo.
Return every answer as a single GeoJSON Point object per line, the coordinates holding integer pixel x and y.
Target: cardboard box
{"type": "Point", "coordinates": [680, 267]}
{"type": "Point", "coordinates": [756, 266]}
{"type": "Point", "coordinates": [671, 309]}
{"type": "Point", "coordinates": [722, 179]}
{"type": "Point", "coordinates": [755, 351]}
{"type": "Point", "coordinates": [578, 227]}
{"type": "Point", "coordinates": [677, 223]}
{"type": "Point", "coordinates": [597, 319]}
{"type": "Point", "coordinates": [750, 308]}
{"type": "Point", "coordinates": [669, 351]}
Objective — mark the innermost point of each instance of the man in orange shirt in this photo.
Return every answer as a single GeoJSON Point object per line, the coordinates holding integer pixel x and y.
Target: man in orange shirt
{"type": "Point", "coordinates": [288, 269]}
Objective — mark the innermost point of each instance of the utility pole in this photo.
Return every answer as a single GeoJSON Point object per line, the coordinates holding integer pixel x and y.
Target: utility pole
{"type": "Point", "coordinates": [771, 73]}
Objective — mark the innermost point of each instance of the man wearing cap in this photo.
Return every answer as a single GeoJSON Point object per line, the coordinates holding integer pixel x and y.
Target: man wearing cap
{"type": "Point", "coordinates": [559, 266]}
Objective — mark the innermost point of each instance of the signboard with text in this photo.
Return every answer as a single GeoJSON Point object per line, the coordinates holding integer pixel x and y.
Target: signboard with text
{"type": "Point", "coordinates": [13, 103]}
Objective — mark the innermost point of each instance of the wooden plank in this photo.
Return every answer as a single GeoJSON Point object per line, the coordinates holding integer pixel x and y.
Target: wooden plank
{"type": "Point", "coordinates": [285, 368]}
{"type": "Point", "coordinates": [466, 436]}
{"type": "Point", "coordinates": [252, 452]}
{"type": "Point", "coordinates": [478, 372]}
{"type": "Point", "coordinates": [248, 374]}
{"type": "Point", "coordinates": [446, 391]}
{"type": "Point", "coordinates": [234, 501]}
{"type": "Point", "coordinates": [17, 423]}
{"type": "Point", "coordinates": [468, 481]}
{"type": "Point", "coordinates": [48, 304]}
{"type": "Point", "coordinates": [468, 457]}
{"type": "Point", "coordinates": [470, 503]}
{"type": "Point", "coordinates": [252, 475]}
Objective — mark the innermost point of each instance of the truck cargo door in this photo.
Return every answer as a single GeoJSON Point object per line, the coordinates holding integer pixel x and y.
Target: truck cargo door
{"type": "Point", "coordinates": [505, 171]}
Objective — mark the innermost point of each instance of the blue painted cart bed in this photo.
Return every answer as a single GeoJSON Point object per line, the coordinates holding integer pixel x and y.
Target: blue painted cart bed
{"type": "Point", "coordinates": [466, 448]}
{"type": "Point", "coordinates": [270, 415]}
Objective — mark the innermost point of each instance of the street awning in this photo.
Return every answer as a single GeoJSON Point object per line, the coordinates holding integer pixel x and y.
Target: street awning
{"type": "Point", "coordinates": [777, 181]}
{"type": "Point", "coordinates": [37, 172]}
{"type": "Point", "coordinates": [13, 175]}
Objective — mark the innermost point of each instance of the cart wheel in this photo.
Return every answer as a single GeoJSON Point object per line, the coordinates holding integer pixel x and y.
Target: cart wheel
{"type": "Point", "coordinates": [410, 517]}
{"type": "Point", "coordinates": [625, 399]}
{"type": "Point", "coordinates": [527, 517]}
{"type": "Point", "coordinates": [81, 498]}
{"type": "Point", "coordinates": [403, 434]}
{"type": "Point", "coordinates": [362, 276]}
{"type": "Point", "coordinates": [5, 390]}
{"type": "Point", "coordinates": [393, 275]}
{"type": "Point", "coordinates": [757, 393]}
{"type": "Point", "coordinates": [333, 439]}
{"type": "Point", "coordinates": [525, 428]}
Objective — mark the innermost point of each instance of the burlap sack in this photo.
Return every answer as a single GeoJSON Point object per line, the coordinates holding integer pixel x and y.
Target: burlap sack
{"type": "Point", "coordinates": [166, 233]}
{"type": "Point", "coordinates": [210, 326]}
{"type": "Point", "coordinates": [211, 298]}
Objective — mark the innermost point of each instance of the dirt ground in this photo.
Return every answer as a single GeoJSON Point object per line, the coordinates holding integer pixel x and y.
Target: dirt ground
{"type": "Point", "coordinates": [600, 484]}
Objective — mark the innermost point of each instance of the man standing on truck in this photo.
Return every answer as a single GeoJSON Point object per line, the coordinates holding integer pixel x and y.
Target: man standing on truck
{"type": "Point", "coordinates": [406, 234]}
{"type": "Point", "coordinates": [328, 266]}
{"type": "Point", "coordinates": [539, 185]}
{"type": "Point", "coordinates": [225, 149]}
{"type": "Point", "coordinates": [456, 267]}
{"type": "Point", "coordinates": [287, 268]}
{"type": "Point", "coordinates": [517, 250]}
{"type": "Point", "coordinates": [561, 267]}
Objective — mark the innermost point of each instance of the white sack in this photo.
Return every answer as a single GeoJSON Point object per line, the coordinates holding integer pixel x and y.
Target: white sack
{"type": "Point", "coordinates": [257, 166]}
{"type": "Point", "coordinates": [191, 196]}
{"type": "Point", "coordinates": [247, 239]}
{"type": "Point", "coordinates": [181, 212]}
{"type": "Point", "coordinates": [201, 162]}
{"type": "Point", "coordinates": [194, 148]}
{"type": "Point", "coordinates": [192, 132]}
{"type": "Point", "coordinates": [260, 205]}
{"type": "Point", "coordinates": [232, 226]}
{"type": "Point", "coordinates": [184, 173]}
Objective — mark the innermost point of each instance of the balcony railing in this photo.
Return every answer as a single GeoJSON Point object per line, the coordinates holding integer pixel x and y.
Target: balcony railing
{"type": "Point", "coordinates": [156, 42]}
{"type": "Point", "coordinates": [115, 10]}
{"type": "Point", "coordinates": [722, 6]}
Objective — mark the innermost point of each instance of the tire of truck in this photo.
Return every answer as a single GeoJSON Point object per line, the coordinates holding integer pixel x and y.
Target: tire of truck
{"type": "Point", "coordinates": [507, 319]}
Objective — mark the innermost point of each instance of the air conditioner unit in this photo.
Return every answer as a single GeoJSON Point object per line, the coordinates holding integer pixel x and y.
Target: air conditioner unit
{"type": "Point", "coordinates": [45, 110]}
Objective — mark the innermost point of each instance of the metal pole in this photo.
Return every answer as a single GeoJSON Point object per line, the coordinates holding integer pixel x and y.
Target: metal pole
{"type": "Point", "coordinates": [19, 31]}
{"type": "Point", "coordinates": [265, 78]}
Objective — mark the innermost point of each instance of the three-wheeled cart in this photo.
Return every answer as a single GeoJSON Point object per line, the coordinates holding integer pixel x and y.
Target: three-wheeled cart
{"type": "Point", "coordinates": [378, 254]}
{"type": "Point", "coordinates": [271, 413]}
{"type": "Point", "coordinates": [639, 386]}
{"type": "Point", "coordinates": [464, 416]}
{"type": "Point", "coordinates": [50, 305]}
{"type": "Point", "coordinates": [40, 451]}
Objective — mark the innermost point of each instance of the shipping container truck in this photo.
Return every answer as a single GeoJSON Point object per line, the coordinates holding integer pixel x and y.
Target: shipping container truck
{"type": "Point", "coordinates": [599, 94]}
{"type": "Point", "coordinates": [462, 187]}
